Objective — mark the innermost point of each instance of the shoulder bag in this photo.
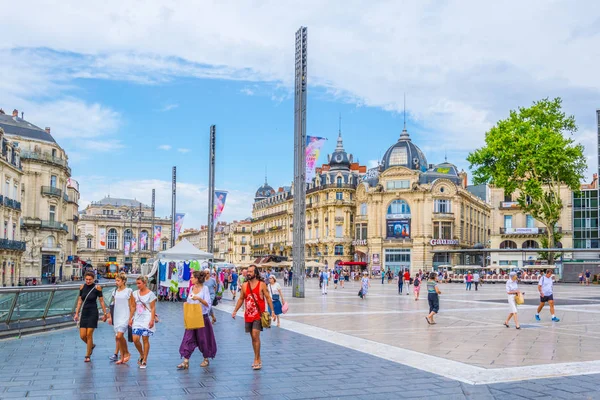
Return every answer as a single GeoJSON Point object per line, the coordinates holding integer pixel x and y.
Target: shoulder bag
{"type": "Point", "coordinates": [265, 317]}
{"type": "Point", "coordinates": [519, 298]}
{"type": "Point", "coordinates": [156, 319]}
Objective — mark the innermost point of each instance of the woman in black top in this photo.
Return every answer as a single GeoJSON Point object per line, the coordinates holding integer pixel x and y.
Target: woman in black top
{"type": "Point", "coordinates": [88, 296]}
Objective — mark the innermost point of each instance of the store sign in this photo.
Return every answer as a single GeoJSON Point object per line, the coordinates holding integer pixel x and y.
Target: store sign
{"type": "Point", "coordinates": [359, 242]}
{"type": "Point", "coordinates": [534, 231]}
{"type": "Point", "coordinates": [444, 242]}
{"type": "Point", "coordinates": [509, 204]}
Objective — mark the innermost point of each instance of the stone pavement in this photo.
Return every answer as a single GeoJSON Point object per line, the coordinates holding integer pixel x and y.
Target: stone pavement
{"type": "Point", "coordinates": [295, 366]}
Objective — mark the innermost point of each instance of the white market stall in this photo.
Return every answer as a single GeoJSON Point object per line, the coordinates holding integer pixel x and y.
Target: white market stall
{"type": "Point", "coordinates": [175, 265]}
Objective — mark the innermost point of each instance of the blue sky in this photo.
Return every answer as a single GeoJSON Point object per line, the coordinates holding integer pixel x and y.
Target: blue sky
{"type": "Point", "coordinates": [130, 90]}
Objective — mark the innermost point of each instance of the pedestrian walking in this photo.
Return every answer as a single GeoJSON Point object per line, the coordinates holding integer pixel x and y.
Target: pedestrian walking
{"type": "Point", "coordinates": [201, 338]}
{"type": "Point", "coordinates": [242, 279]}
{"type": "Point", "coordinates": [581, 282]}
{"type": "Point", "coordinates": [233, 283]}
{"type": "Point", "coordinates": [545, 287]}
{"type": "Point", "coordinates": [277, 298]}
{"type": "Point", "coordinates": [469, 280]}
{"type": "Point", "coordinates": [324, 281]}
{"type": "Point", "coordinates": [87, 308]}
{"type": "Point", "coordinates": [365, 284]}
{"type": "Point", "coordinates": [285, 277]}
{"type": "Point", "coordinates": [588, 275]}
{"type": "Point", "coordinates": [400, 282]}
{"type": "Point", "coordinates": [144, 319]}
{"type": "Point", "coordinates": [336, 278]}
{"type": "Point", "coordinates": [343, 278]}
{"type": "Point", "coordinates": [433, 293]}
{"type": "Point", "coordinates": [382, 277]}
{"type": "Point", "coordinates": [290, 276]}
{"type": "Point", "coordinates": [417, 286]}
{"type": "Point", "coordinates": [212, 286]}
{"type": "Point", "coordinates": [512, 289]}
{"type": "Point", "coordinates": [407, 281]}
{"type": "Point", "coordinates": [122, 308]}
{"type": "Point", "coordinates": [476, 279]}
{"type": "Point", "coordinates": [254, 295]}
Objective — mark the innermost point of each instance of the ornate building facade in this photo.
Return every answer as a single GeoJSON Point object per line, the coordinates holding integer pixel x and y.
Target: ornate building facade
{"type": "Point", "coordinates": [106, 226]}
{"type": "Point", "coordinates": [49, 200]}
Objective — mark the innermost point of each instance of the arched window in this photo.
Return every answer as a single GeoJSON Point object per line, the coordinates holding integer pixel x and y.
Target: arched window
{"type": "Point", "coordinates": [339, 181]}
{"type": "Point", "coordinates": [398, 207]}
{"type": "Point", "coordinates": [508, 244]}
{"type": "Point", "coordinates": [531, 244]}
{"type": "Point", "coordinates": [145, 244]}
{"type": "Point", "coordinates": [50, 242]}
{"type": "Point", "coordinates": [399, 156]}
{"type": "Point", "coordinates": [339, 250]}
{"type": "Point", "coordinates": [112, 240]}
{"type": "Point", "coordinates": [127, 236]}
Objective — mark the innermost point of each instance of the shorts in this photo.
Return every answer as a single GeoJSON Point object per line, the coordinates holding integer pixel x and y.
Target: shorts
{"type": "Point", "coordinates": [142, 332]}
{"type": "Point", "coordinates": [545, 299]}
{"type": "Point", "coordinates": [434, 302]}
{"type": "Point", "coordinates": [254, 326]}
{"type": "Point", "coordinates": [233, 287]}
{"type": "Point", "coordinates": [121, 328]}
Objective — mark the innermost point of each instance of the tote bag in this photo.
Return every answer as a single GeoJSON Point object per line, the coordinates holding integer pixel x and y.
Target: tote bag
{"type": "Point", "coordinates": [519, 298]}
{"type": "Point", "coordinates": [192, 316]}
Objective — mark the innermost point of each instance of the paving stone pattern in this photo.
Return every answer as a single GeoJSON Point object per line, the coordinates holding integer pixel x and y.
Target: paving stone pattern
{"type": "Point", "coordinates": [50, 365]}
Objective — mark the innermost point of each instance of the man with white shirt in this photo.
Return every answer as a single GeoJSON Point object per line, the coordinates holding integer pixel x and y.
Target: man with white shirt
{"type": "Point", "coordinates": [325, 277]}
{"type": "Point", "coordinates": [545, 286]}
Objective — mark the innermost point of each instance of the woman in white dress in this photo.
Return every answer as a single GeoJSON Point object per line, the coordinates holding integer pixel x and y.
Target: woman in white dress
{"type": "Point", "coordinates": [124, 307]}
{"type": "Point", "coordinates": [143, 319]}
{"type": "Point", "coordinates": [512, 289]}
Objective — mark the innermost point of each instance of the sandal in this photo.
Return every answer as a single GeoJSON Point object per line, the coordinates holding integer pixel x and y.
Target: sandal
{"type": "Point", "coordinates": [518, 327]}
{"type": "Point", "coordinates": [143, 365]}
{"type": "Point", "coordinates": [428, 321]}
{"type": "Point", "coordinates": [140, 360]}
{"type": "Point", "coordinates": [119, 362]}
{"type": "Point", "coordinates": [126, 358]}
{"type": "Point", "coordinates": [184, 365]}
{"type": "Point", "coordinates": [205, 363]}
{"type": "Point", "coordinates": [92, 352]}
{"type": "Point", "coordinates": [257, 367]}
{"type": "Point", "coordinates": [87, 359]}
{"type": "Point", "coordinates": [506, 325]}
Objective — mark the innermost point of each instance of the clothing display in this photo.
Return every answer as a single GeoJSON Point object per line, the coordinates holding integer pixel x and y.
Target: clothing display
{"type": "Point", "coordinates": [162, 271]}
{"type": "Point", "coordinates": [175, 276]}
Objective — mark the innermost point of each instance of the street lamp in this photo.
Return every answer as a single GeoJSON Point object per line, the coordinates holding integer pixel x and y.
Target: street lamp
{"type": "Point", "coordinates": [131, 213]}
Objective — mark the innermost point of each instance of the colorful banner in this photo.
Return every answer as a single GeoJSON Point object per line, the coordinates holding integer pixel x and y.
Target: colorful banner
{"type": "Point", "coordinates": [178, 224]}
{"type": "Point", "coordinates": [144, 241]}
{"type": "Point", "coordinates": [102, 238]}
{"type": "Point", "coordinates": [127, 248]}
{"type": "Point", "coordinates": [133, 245]}
{"type": "Point", "coordinates": [313, 149]}
{"type": "Point", "coordinates": [220, 197]}
{"type": "Point", "coordinates": [157, 234]}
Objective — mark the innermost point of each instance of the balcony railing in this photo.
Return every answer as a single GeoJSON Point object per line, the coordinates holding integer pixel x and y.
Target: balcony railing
{"type": "Point", "coordinates": [46, 157]}
{"type": "Point", "coordinates": [15, 205]}
{"type": "Point", "coordinates": [51, 191]}
{"type": "Point", "coordinates": [44, 224]}
{"type": "Point", "coordinates": [7, 244]}
{"type": "Point", "coordinates": [443, 215]}
{"type": "Point", "coordinates": [331, 186]}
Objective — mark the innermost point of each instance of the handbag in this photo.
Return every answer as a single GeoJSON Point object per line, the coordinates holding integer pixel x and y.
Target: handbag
{"type": "Point", "coordinates": [519, 298]}
{"type": "Point", "coordinates": [284, 308]}
{"type": "Point", "coordinates": [192, 316]}
{"type": "Point", "coordinates": [265, 317]}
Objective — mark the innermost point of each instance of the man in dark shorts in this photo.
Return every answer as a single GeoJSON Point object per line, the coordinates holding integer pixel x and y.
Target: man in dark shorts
{"type": "Point", "coordinates": [254, 295]}
{"type": "Point", "coordinates": [545, 286]}
{"type": "Point", "coordinates": [588, 275]}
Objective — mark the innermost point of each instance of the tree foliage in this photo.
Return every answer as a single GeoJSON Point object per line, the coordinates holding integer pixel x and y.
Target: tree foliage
{"type": "Point", "coordinates": [532, 153]}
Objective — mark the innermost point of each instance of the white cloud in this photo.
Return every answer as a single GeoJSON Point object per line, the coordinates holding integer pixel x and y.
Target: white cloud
{"type": "Point", "coordinates": [247, 91]}
{"type": "Point", "coordinates": [183, 150]}
{"type": "Point", "coordinates": [169, 107]}
{"type": "Point", "coordinates": [192, 199]}
{"type": "Point", "coordinates": [460, 67]}
{"type": "Point", "coordinates": [165, 147]}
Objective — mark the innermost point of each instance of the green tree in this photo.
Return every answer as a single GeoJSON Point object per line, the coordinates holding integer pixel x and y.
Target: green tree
{"type": "Point", "coordinates": [533, 154]}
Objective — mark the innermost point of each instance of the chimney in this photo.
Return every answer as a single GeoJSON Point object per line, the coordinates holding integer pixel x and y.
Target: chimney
{"type": "Point", "coordinates": [15, 113]}
{"type": "Point", "coordinates": [47, 130]}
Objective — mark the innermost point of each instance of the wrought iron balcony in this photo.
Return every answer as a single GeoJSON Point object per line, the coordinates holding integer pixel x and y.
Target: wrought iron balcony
{"type": "Point", "coordinates": [51, 191]}
{"type": "Point", "coordinates": [15, 205]}
{"type": "Point", "coordinates": [46, 157]}
{"type": "Point", "coordinates": [7, 244]}
{"type": "Point", "coordinates": [55, 225]}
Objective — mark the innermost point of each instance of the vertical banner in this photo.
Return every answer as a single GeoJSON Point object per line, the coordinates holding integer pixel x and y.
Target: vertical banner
{"type": "Point", "coordinates": [134, 245]}
{"type": "Point", "coordinates": [157, 234]}
{"type": "Point", "coordinates": [102, 238]}
{"type": "Point", "coordinates": [144, 241]}
{"type": "Point", "coordinates": [313, 149]}
{"type": "Point", "coordinates": [178, 224]}
{"type": "Point", "coordinates": [127, 248]}
{"type": "Point", "coordinates": [220, 197]}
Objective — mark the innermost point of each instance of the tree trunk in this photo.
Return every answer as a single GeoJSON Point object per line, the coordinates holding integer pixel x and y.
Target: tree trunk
{"type": "Point", "coordinates": [551, 244]}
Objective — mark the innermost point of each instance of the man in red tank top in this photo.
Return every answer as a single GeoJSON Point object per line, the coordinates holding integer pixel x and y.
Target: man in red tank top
{"type": "Point", "coordinates": [254, 296]}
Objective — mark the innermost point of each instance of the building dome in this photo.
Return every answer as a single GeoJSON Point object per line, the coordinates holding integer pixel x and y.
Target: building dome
{"type": "Point", "coordinates": [339, 158]}
{"type": "Point", "coordinates": [263, 192]}
{"type": "Point", "coordinates": [444, 170]}
{"type": "Point", "coordinates": [405, 153]}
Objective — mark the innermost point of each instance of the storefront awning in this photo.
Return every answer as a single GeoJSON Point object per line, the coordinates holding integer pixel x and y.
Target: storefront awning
{"type": "Point", "coordinates": [359, 263]}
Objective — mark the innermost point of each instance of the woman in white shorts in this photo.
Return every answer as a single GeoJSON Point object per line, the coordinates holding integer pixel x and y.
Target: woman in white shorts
{"type": "Point", "coordinates": [124, 308]}
{"type": "Point", "coordinates": [512, 289]}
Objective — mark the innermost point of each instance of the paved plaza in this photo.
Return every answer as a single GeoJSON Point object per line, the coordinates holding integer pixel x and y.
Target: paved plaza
{"type": "Point", "coordinates": [337, 346]}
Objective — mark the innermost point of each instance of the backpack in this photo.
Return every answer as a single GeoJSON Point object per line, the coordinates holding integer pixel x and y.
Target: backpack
{"type": "Point", "coordinates": [417, 282]}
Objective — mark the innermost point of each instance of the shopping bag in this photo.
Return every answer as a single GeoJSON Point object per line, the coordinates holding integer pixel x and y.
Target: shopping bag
{"type": "Point", "coordinates": [519, 298]}
{"type": "Point", "coordinates": [192, 316]}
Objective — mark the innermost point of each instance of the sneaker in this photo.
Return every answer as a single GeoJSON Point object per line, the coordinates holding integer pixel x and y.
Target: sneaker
{"type": "Point", "coordinates": [114, 357]}
{"type": "Point", "coordinates": [554, 319]}
{"type": "Point", "coordinates": [537, 318]}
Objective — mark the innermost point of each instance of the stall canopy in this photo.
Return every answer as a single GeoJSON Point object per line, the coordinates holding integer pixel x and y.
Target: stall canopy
{"type": "Point", "coordinates": [184, 251]}
{"type": "Point", "coordinates": [359, 263]}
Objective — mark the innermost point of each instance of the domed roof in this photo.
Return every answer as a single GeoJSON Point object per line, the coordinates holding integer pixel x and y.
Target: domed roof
{"type": "Point", "coordinates": [339, 158]}
{"type": "Point", "coordinates": [444, 170]}
{"type": "Point", "coordinates": [265, 191]}
{"type": "Point", "coordinates": [405, 153]}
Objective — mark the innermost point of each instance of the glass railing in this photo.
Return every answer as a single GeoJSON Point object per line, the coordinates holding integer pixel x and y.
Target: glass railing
{"type": "Point", "coordinates": [40, 305]}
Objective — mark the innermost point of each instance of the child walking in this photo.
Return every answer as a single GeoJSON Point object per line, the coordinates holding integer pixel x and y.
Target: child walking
{"type": "Point", "coordinates": [433, 292]}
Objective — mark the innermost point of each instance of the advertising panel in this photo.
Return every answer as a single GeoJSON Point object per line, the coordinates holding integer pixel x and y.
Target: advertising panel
{"type": "Point", "coordinates": [102, 238]}
{"type": "Point", "coordinates": [398, 229]}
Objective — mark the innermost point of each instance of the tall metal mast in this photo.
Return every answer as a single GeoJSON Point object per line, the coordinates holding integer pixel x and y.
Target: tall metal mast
{"type": "Point", "coordinates": [299, 163]}
{"type": "Point", "coordinates": [173, 205]}
{"type": "Point", "coordinates": [211, 188]}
